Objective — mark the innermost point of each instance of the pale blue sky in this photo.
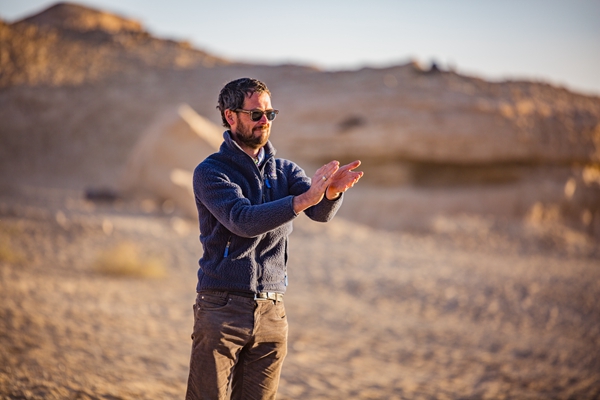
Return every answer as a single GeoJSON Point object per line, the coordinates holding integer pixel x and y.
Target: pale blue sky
{"type": "Point", "coordinates": [543, 40]}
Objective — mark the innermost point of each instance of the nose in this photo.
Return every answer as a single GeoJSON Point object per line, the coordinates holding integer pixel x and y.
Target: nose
{"type": "Point", "coordinates": [263, 119]}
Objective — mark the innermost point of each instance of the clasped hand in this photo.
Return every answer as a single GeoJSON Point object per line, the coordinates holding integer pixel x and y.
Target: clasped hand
{"type": "Point", "coordinates": [331, 181]}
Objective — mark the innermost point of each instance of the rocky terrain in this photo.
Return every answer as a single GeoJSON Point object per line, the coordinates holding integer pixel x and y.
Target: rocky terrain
{"type": "Point", "coordinates": [464, 265]}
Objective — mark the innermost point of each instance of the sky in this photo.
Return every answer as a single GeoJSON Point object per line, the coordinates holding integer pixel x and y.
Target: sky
{"type": "Point", "coordinates": [551, 41]}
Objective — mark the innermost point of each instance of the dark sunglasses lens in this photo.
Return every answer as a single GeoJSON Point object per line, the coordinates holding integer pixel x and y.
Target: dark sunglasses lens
{"type": "Point", "coordinates": [257, 115]}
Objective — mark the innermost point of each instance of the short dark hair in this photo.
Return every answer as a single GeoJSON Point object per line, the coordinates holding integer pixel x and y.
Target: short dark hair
{"type": "Point", "coordinates": [233, 94]}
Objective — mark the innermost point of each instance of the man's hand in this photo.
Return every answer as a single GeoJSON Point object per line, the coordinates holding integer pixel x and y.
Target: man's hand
{"type": "Point", "coordinates": [330, 178]}
{"type": "Point", "coordinates": [343, 179]}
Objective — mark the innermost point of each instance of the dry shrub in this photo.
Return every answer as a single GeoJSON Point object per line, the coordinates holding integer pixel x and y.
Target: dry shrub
{"type": "Point", "coordinates": [9, 234]}
{"type": "Point", "coordinates": [10, 255]}
{"type": "Point", "coordinates": [548, 223]}
{"type": "Point", "coordinates": [124, 260]}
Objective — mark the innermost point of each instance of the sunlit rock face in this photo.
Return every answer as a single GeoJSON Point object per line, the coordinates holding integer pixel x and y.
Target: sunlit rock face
{"type": "Point", "coordinates": [70, 16]}
{"type": "Point", "coordinates": [69, 44]}
{"type": "Point", "coordinates": [80, 86]}
{"type": "Point", "coordinates": [440, 118]}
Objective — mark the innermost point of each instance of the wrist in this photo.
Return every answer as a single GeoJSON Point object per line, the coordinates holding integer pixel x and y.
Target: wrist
{"type": "Point", "coordinates": [300, 203]}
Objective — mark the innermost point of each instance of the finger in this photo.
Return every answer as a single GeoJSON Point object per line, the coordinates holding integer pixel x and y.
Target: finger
{"type": "Point", "coordinates": [328, 168]}
{"type": "Point", "coordinates": [358, 175]}
{"type": "Point", "coordinates": [347, 169]}
{"type": "Point", "coordinates": [348, 175]}
{"type": "Point", "coordinates": [332, 168]}
{"type": "Point", "coordinates": [345, 181]}
{"type": "Point", "coordinates": [351, 166]}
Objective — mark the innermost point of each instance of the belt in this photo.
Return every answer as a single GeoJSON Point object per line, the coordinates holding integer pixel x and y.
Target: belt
{"type": "Point", "coordinates": [258, 296]}
{"type": "Point", "coordinates": [268, 296]}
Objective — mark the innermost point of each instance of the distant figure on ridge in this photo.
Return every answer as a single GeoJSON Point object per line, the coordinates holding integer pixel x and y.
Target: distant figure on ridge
{"type": "Point", "coordinates": [247, 200]}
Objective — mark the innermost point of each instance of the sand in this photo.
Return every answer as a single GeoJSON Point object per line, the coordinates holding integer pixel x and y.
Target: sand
{"type": "Point", "coordinates": [373, 314]}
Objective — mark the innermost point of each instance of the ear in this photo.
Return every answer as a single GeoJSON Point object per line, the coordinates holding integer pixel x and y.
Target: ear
{"type": "Point", "coordinates": [229, 116]}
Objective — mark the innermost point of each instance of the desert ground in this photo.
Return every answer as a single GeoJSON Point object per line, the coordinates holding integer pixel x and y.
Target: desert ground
{"type": "Point", "coordinates": [374, 314]}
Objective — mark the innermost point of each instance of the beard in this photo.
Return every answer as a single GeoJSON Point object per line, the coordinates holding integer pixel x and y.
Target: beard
{"type": "Point", "coordinates": [252, 137]}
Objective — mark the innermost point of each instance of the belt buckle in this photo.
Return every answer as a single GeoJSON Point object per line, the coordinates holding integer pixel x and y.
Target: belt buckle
{"type": "Point", "coordinates": [268, 296]}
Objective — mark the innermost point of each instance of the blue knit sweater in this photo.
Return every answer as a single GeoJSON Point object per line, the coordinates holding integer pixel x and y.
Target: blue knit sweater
{"type": "Point", "coordinates": [245, 214]}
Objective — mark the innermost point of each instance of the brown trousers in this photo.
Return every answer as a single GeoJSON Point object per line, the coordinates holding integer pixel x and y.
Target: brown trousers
{"type": "Point", "coordinates": [238, 341]}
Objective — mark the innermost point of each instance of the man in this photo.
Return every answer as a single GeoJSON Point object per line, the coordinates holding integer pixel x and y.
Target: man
{"type": "Point", "coordinates": [247, 200]}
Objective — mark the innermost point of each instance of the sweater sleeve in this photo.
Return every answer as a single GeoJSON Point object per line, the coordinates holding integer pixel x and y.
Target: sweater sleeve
{"type": "Point", "coordinates": [225, 201]}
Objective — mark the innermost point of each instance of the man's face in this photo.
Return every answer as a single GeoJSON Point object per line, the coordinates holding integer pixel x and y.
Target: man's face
{"type": "Point", "coordinates": [250, 133]}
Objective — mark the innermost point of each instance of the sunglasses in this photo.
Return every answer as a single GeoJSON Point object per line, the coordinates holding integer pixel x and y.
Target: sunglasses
{"type": "Point", "coordinates": [256, 115]}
